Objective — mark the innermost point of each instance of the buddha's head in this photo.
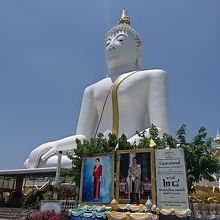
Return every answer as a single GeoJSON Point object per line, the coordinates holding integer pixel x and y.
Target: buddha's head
{"type": "Point", "coordinates": [123, 46]}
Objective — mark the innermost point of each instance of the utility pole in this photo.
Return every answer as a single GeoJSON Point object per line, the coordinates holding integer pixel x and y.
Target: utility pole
{"type": "Point", "coordinates": [57, 174]}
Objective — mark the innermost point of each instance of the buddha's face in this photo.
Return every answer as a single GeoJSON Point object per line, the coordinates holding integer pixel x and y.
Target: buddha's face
{"type": "Point", "coordinates": [120, 50]}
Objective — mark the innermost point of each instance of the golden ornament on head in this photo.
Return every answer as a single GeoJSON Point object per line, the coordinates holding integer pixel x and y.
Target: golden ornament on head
{"type": "Point", "coordinates": [124, 18]}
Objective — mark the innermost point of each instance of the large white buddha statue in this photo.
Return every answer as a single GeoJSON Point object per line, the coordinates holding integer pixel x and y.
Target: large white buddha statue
{"type": "Point", "coordinates": [125, 101]}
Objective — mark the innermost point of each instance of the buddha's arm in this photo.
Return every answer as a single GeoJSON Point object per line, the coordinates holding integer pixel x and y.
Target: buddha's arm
{"type": "Point", "coordinates": [64, 144]}
{"type": "Point", "coordinates": [157, 105]}
{"type": "Point", "coordinates": [157, 101]}
{"type": "Point", "coordinates": [88, 114]}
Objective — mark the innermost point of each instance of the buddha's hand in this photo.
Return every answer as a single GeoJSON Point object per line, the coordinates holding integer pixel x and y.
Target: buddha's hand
{"type": "Point", "coordinates": [136, 138]}
{"type": "Point", "coordinates": [46, 150]}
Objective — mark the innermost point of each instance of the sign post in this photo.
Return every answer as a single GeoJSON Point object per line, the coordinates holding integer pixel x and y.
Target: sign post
{"type": "Point", "coordinates": [171, 179]}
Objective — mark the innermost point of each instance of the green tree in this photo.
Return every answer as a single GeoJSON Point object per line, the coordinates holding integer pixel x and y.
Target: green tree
{"type": "Point", "coordinates": [201, 163]}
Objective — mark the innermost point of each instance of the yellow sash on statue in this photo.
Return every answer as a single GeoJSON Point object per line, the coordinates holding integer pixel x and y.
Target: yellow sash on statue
{"type": "Point", "coordinates": [115, 108]}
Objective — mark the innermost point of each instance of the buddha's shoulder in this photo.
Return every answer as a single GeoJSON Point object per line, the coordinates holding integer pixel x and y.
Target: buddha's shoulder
{"type": "Point", "coordinates": [102, 83]}
{"type": "Point", "coordinates": [153, 73]}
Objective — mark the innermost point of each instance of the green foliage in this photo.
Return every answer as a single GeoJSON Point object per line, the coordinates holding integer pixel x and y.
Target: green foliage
{"type": "Point", "coordinates": [144, 141]}
{"type": "Point", "coordinates": [201, 162]}
{"type": "Point", "coordinates": [123, 143]}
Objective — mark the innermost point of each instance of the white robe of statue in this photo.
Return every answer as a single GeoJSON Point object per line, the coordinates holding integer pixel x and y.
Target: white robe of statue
{"type": "Point", "coordinates": [142, 99]}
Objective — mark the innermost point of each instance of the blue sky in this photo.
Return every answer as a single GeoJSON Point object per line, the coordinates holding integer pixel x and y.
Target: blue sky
{"type": "Point", "coordinates": [51, 50]}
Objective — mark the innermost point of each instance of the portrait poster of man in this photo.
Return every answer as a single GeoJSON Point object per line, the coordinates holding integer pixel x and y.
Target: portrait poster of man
{"type": "Point", "coordinates": [97, 179]}
{"type": "Point", "coordinates": [135, 176]}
